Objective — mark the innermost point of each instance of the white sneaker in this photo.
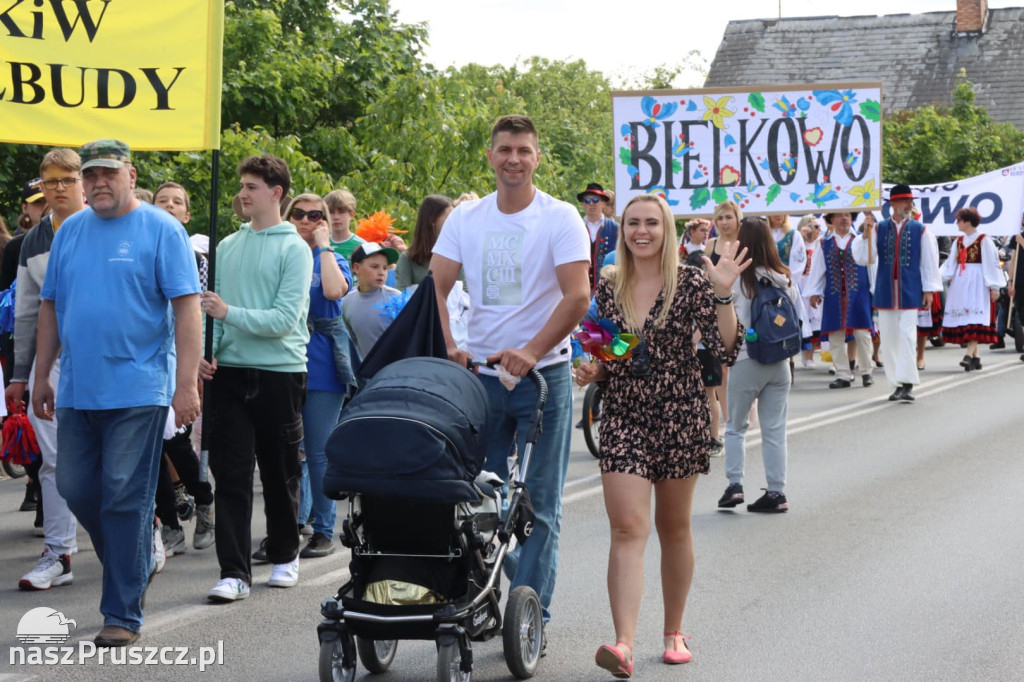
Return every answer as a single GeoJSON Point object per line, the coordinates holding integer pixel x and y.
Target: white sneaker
{"type": "Point", "coordinates": [809, 363]}
{"type": "Point", "coordinates": [284, 575]}
{"type": "Point", "coordinates": [228, 589]}
{"type": "Point", "coordinates": [52, 570]}
{"type": "Point", "coordinates": [159, 555]}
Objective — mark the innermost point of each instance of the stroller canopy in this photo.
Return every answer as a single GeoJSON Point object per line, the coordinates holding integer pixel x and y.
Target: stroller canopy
{"type": "Point", "coordinates": [417, 431]}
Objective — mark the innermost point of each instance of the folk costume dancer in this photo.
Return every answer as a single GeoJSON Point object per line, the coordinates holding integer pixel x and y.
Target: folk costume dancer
{"type": "Point", "coordinates": [908, 277]}
{"type": "Point", "coordinates": [843, 290]}
{"type": "Point", "coordinates": [972, 271]}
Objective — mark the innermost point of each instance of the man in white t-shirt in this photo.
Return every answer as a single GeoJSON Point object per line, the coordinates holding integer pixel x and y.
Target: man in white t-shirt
{"type": "Point", "coordinates": [526, 256]}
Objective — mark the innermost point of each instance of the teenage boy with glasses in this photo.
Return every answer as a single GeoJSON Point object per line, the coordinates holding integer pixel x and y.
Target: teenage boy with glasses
{"type": "Point", "coordinates": [62, 189]}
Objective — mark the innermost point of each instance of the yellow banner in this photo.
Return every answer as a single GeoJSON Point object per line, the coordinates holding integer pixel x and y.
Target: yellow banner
{"type": "Point", "coordinates": [144, 71]}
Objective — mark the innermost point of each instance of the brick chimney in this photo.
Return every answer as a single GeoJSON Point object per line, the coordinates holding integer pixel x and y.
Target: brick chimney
{"type": "Point", "coordinates": [970, 15]}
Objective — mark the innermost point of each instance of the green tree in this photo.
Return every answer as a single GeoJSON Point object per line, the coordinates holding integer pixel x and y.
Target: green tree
{"type": "Point", "coordinates": [935, 143]}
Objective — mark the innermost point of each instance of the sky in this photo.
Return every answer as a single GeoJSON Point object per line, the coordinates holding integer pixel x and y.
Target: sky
{"type": "Point", "coordinates": [620, 39]}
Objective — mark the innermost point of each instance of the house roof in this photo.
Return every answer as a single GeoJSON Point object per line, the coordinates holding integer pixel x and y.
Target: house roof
{"type": "Point", "coordinates": [916, 57]}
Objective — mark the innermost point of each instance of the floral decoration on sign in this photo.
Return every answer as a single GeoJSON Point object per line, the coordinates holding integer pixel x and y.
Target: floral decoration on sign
{"type": "Point", "coordinates": [822, 194]}
{"type": "Point", "coordinates": [718, 111]}
{"type": "Point", "coordinates": [841, 102]}
{"type": "Point", "coordinates": [656, 111]}
{"type": "Point", "coordinates": [865, 195]}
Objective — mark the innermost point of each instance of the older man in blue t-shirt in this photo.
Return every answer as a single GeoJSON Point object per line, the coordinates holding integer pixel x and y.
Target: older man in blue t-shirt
{"type": "Point", "coordinates": [120, 301]}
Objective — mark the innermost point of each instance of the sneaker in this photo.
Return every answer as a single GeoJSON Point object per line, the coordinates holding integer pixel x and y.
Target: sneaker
{"type": "Point", "coordinates": [771, 503]}
{"type": "Point", "coordinates": [228, 589]}
{"type": "Point", "coordinates": [733, 495]}
{"type": "Point", "coordinates": [839, 383]}
{"type": "Point", "coordinates": [832, 370]}
{"type": "Point", "coordinates": [867, 380]}
{"type": "Point", "coordinates": [53, 570]}
{"type": "Point", "coordinates": [185, 503]}
{"type": "Point", "coordinates": [173, 539]}
{"type": "Point", "coordinates": [716, 448]}
{"type": "Point", "coordinates": [809, 363]}
{"type": "Point", "coordinates": [284, 575]}
{"type": "Point", "coordinates": [159, 555]}
{"type": "Point", "coordinates": [31, 502]}
{"type": "Point", "coordinates": [306, 530]}
{"type": "Point", "coordinates": [260, 555]}
{"type": "Point", "coordinates": [204, 535]}
{"type": "Point", "coordinates": [319, 545]}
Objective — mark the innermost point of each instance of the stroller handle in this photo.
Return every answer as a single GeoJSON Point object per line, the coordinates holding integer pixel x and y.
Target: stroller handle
{"type": "Point", "coordinates": [535, 376]}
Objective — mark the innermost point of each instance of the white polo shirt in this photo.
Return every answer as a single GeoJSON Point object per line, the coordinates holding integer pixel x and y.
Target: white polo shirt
{"type": "Point", "coordinates": [510, 262]}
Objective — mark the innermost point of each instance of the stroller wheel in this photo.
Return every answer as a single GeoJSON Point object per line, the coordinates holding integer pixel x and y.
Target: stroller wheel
{"type": "Point", "coordinates": [376, 654]}
{"type": "Point", "coordinates": [449, 664]}
{"type": "Point", "coordinates": [523, 632]}
{"type": "Point", "coordinates": [332, 662]}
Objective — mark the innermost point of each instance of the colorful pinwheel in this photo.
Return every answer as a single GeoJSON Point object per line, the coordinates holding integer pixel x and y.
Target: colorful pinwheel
{"type": "Point", "coordinates": [604, 341]}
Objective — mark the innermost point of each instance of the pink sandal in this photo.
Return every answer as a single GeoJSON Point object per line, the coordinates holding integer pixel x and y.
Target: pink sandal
{"type": "Point", "coordinates": [612, 660]}
{"type": "Point", "coordinates": [674, 655]}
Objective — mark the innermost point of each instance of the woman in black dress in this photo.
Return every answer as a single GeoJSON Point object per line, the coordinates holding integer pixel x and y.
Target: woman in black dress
{"type": "Point", "coordinates": [655, 430]}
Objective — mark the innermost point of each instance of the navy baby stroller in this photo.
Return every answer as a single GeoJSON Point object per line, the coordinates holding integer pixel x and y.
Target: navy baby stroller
{"type": "Point", "coordinates": [426, 531]}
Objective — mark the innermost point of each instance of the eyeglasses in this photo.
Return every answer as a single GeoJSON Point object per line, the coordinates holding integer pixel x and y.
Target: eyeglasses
{"type": "Point", "coordinates": [314, 216]}
{"type": "Point", "coordinates": [590, 200]}
{"type": "Point", "coordinates": [63, 182]}
{"type": "Point", "coordinates": [641, 366]}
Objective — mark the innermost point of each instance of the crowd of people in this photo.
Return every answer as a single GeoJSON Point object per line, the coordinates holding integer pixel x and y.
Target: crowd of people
{"type": "Point", "coordinates": [299, 299]}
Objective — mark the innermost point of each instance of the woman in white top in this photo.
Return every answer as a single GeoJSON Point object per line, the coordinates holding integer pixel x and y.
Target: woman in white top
{"type": "Point", "coordinates": [810, 231]}
{"type": "Point", "coordinates": [972, 271]}
{"type": "Point", "coordinates": [790, 244]}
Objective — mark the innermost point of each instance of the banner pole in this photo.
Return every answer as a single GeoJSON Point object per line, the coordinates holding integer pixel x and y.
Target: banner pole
{"type": "Point", "coordinates": [204, 447]}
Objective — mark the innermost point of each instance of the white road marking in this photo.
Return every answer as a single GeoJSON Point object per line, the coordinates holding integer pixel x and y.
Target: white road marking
{"type": "Point", "coordinates": [833, 416]}
{"type": "Point", "coordinates": [177, 617]}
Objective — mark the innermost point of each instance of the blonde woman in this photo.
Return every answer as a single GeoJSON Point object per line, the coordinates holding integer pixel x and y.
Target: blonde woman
{"type": "Point", "coordinates": [655, 431]}
{"type": "Point", "coordinates": [726, 221]}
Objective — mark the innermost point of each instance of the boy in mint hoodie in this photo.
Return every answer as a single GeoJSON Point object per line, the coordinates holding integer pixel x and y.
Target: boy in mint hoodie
{"type": "Point", "coordinates": [258, 379]}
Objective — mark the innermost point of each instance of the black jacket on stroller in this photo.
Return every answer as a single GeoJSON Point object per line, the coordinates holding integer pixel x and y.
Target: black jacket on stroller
{"type": "Point", "coordinates": [417, 431]}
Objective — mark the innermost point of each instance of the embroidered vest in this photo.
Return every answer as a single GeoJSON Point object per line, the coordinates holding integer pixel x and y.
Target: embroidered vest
{"type": "Point", "coordinates": [843, 275]}
{"type": "Point", "coordinates": [898, 285]}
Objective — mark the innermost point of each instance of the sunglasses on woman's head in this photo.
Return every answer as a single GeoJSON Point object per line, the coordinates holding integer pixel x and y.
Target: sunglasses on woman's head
{"type": "Point", "coordinates": [314, 216]}
{"type": "Point", "coordinates": [590, 200]}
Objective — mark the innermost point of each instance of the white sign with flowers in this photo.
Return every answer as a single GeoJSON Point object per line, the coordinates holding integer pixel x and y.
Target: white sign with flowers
{"type": "Point", "coordinates": [778, 149]}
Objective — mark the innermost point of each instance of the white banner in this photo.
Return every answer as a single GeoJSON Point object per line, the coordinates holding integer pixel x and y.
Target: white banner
{"type": "Point", "coordinates": [773, 149]}
{"type": "Point", "coordinates": [998, 196]}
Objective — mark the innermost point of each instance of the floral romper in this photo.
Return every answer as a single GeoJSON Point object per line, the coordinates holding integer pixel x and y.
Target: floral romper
{"type": "Point", "coordinates": [658, 426]}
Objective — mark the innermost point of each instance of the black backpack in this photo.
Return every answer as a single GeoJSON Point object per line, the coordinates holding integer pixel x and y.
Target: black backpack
{"type": "Point", "coordinates": [776, 325]}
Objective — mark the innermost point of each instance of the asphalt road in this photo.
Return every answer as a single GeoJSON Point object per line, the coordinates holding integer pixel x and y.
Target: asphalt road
{"type": "Point", "coordinates": [899, 560]}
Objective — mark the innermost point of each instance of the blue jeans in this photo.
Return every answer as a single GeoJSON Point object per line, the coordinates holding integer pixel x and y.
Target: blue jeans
{"type": "Point", "coordinates": [319, 416]}
{"type": "Point", "coordinates": [108, 462]}
{"type": "Point", "coordinates": [535, 563]}
{"type": "Point", "coordinates": [346, 354]}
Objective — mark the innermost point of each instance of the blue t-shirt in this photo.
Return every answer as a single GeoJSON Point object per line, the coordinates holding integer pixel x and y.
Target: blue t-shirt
{"type": "Point", "coordinates": [321, 374]}
{"type": "Point", "coordinates": [111, 282]}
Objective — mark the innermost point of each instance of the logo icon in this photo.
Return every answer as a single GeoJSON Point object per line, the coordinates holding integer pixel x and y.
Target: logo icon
{"type": "Point", "coordinates": [43, 625]}
{"type": "Point", "coordinates": [123, 248]}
